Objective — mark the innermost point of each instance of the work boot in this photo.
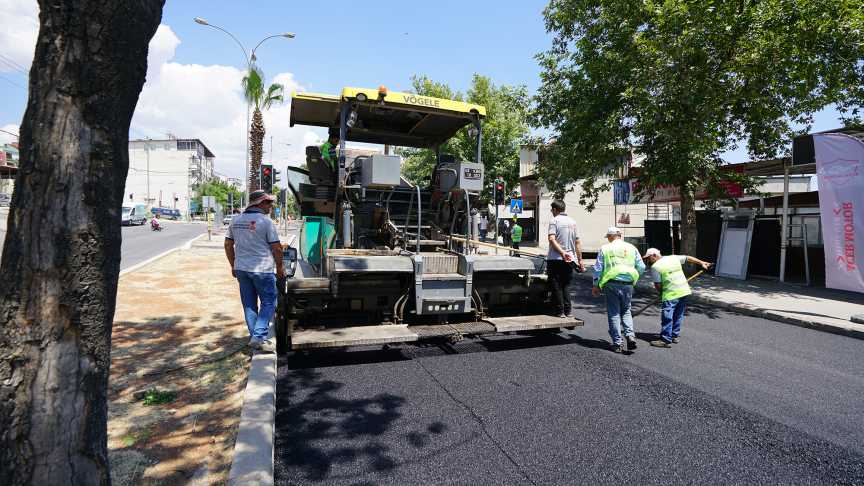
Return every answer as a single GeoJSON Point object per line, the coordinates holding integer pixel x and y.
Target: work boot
{"type": "Point", "coordinates": [631, 343]}
{"type": "Point", "coordinates": [659, 343]}
{"type": "Point", "coordinates": [616, 348]}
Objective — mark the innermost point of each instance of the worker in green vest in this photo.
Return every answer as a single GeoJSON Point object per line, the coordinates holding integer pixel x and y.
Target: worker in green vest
{"type": "Point", "coordinates": [668, 276]}
{"type": "Point", "coordinates": [329, 151]}
{"type": "Point", "coordinates": [515, 236]}
{"type": "Point", "coordinates": [616, 271]}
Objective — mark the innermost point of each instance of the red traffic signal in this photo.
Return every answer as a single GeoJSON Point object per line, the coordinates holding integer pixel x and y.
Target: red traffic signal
{"type": "Point", "coordinates": [266, 171]}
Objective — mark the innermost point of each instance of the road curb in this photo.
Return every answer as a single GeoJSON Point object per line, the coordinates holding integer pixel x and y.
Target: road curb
{"type": "Point", "coordinates": [138, 266]}
{"type": "Point", "coordinates": [752, 311]}
{"type": "Point", "coordinates": [254, 448]}
{"type": "Point", "coordinates": [776, 316]}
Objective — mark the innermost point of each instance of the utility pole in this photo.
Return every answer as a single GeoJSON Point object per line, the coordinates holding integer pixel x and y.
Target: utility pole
{"type": "Point", "coordinates": [147, 151]}
{"type": "Point", "coordinates": [189, 190]}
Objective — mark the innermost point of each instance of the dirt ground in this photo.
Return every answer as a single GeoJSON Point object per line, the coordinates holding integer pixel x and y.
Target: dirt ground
{"type": "Point", "coordinates": [178, 371]}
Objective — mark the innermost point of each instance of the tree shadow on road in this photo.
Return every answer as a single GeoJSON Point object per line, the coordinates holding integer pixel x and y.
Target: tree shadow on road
{"type": "Point", "coordinates": [320, 433]}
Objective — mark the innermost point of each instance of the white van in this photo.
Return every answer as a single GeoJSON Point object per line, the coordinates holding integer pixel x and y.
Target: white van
{"type": "Point", "coordinates": [133, 215]}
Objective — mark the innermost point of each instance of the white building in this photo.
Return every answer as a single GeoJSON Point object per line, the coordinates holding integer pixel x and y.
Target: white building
{"type": "Point", "coordinates": [592, 225]}
{"type": "Point", "coordinates": [235, 182]}
{"type": "Point", "coordinates": [164, 173]}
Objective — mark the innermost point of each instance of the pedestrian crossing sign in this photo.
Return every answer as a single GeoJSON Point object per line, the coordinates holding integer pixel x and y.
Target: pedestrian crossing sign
{"type": "Point", "coordinates": [516, 206]}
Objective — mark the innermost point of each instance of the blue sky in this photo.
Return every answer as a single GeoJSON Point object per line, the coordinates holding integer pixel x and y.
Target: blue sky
{"type": "Point", "coordinates": [371, 43]}
{"type": "Point", "coordinates": [193, 80]}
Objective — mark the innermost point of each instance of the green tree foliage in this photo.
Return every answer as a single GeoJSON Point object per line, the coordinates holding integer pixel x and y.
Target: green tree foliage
{"type": "Point", "coordinates": [685, 80]}
{"type": "Point", "coordinates": [504, 128]}
{"type": "Point", "coordinates": [220, 190]}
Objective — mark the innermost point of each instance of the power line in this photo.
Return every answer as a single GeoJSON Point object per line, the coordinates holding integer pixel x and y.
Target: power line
{"type": "Point", "coordinates": [10, 133]}
{"type": "Point", "coordinates": [12, 67]}
{"type": "Point", "coordinates": [8, 60]}
{"type": "Point", "coordinates": [13, 83]}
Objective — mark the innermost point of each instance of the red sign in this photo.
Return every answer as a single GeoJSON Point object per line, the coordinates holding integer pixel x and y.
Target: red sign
{"type": "Point", "coordinates": [664, 193]}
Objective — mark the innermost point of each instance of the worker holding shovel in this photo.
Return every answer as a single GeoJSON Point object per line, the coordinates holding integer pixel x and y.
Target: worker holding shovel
{"type": "Point", "coordinates": [669, 279]}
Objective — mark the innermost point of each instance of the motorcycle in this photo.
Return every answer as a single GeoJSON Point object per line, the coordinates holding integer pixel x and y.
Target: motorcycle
{"type": "Point", "coordinates": [155, 226]}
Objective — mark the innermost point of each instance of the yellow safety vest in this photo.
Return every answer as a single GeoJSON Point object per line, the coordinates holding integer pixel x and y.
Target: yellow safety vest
{"type": "Point", "coordinates": [672, 278]}
{"type": "Point", "coordinates": [325, 154]}
{"type": "Point", "coordinates": [618, 259]}
{"type": "Point", "coordinates": [516, 235]}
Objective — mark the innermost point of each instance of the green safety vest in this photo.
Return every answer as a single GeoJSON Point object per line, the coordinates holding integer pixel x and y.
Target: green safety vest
{"type": "Point", "coordinates": [516, 234]}
{"type": "Point", "coordinates": [672, 278]}
{"type": "Point", "coordinates": [618, 259]}
{"type": "Point", "coordinates": [325, 154]}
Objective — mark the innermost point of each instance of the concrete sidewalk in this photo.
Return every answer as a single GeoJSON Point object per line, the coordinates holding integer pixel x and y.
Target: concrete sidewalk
{"type": "Point", "coordinates": [818, 308]}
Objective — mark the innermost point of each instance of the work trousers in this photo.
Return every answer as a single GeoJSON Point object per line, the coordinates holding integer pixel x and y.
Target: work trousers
{"type": "Point", "coordinates": [618, 297]}
{"type": "Point", "coordinates": [255, 286]}
{"type": "Point", "coordinates": [515, 246]}
{"type": "Point", "coordinates": [671, 318]}
{"type": "Point", "coordinates": [560, 275]}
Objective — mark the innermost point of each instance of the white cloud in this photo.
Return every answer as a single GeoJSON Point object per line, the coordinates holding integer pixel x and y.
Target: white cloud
{"type": "Point", "coordinates": [161, 50]}
{"type": "Point", "coordinates": [187, 100]}
{"type": "Point", "coordinates": [6, 137]}
{"type": "Point", "coordinates": [206, 102]}
{"type": "Point", "coordinates": [18, 34]}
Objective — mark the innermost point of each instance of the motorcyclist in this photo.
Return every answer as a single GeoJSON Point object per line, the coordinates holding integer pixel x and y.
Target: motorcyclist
{"type": "Point", "coordinates": [154, 224]}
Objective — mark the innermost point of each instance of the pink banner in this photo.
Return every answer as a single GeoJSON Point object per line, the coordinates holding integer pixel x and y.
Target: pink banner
{"type": "Point", "coordinates": [840, 165]}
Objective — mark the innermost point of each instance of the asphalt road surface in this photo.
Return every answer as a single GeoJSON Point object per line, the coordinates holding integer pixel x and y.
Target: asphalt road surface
{"type": "Point", "coordinates": [740, 400]}
{"type": "Point", "coordinates": [141, 243]}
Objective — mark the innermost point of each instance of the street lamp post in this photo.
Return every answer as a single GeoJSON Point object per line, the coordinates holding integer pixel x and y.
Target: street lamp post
{"type": "Point", "coordinates": [250, 59]}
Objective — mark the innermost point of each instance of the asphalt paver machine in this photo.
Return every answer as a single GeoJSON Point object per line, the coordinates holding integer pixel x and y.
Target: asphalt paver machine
{"type": "Point", "coordinates": [380, 260]}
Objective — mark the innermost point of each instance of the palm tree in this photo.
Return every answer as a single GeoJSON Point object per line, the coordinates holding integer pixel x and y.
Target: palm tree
{"type": "Point", "coordinates": [260, 99]}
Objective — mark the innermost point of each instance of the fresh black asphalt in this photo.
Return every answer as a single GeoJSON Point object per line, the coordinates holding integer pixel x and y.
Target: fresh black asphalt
{"type": "Point", "coordinates": [740, 400]}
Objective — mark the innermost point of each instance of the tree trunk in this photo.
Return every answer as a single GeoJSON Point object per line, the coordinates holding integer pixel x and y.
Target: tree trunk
{"type": "Point", "coordinates": [256, 146]}
{"type": "Point", "coordinates": [688, 222]}
{"type": "Point", "coordinates": [61, 258]}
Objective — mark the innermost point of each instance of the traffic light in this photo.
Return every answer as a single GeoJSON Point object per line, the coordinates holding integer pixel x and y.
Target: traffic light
{"type": "Point", "coordinates": [267, 178]}
{"type": "Point", "coordinates": [500, 191]}
{"type": "Point", "coordinates": [276, 174]}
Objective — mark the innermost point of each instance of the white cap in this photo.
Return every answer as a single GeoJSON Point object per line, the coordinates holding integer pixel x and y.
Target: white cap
{"type": "Point", "coordinates": [652, 252]}
{"type": "Point", "coordinates": [613, 230]}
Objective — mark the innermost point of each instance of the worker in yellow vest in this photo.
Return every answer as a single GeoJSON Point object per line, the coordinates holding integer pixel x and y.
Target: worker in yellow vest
{"type": "Point", "coordinates": [515, 236]}
{"type": "Point", "coordinates": [616, 271]}
{"type": "Point", "coordinates": [668, 276]}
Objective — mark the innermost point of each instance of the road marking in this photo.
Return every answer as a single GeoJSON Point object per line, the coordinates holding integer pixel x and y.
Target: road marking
{"type": "Point", "coordinates": [148, 261]}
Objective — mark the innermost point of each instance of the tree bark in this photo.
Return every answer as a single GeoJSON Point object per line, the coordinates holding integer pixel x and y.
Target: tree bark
{"type": "Point", "coordinates": [256, 144]}
{"type": "Point", "coordinates": [688, 222]}
{"type": "Point", "coordinates": [61, 258]}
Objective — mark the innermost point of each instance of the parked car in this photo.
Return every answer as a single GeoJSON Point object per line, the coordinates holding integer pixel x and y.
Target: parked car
{"type": "Point", "coordinates": [133, 215]}
{"type": "Point", "coordinates": [5, 199]}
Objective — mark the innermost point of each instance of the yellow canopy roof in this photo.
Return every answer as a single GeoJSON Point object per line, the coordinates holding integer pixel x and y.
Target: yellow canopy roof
{"type": "Point", "coordinates": [401, 119]}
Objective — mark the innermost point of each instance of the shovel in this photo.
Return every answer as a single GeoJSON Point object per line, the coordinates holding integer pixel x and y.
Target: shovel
{"type": "Point", "coordinates": [657, 301]}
